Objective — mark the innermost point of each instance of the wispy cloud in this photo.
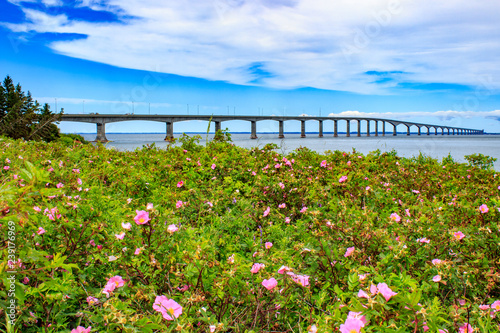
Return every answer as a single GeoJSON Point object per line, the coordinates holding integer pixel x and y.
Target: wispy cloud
{"type": "Point", "coordinates": [295, 43]}
{"type": "Point", "coordinates": [442, 115]}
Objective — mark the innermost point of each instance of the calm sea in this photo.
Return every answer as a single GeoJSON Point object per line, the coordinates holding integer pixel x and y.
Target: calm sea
{"type": "Point", "coordinates": [435, 146]}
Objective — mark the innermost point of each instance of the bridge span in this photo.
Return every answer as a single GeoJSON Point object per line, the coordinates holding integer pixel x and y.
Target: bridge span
{"type": "Point", "coordinates": [102, 119]}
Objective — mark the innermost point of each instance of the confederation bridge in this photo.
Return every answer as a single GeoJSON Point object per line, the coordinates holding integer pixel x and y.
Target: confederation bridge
{"type": "Point", "coordinates": [102, 119]}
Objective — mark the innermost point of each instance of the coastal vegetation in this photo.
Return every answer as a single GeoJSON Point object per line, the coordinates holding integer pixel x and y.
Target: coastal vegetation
{"type": "Point", "coordinates": [216, 238]}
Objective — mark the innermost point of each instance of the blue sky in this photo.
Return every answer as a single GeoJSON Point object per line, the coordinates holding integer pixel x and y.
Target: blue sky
{"type": "Point", "coordinates": [422, 61]}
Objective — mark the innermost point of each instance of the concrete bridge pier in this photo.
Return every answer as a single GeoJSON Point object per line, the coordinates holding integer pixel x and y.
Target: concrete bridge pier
{"type": "Point", "coordinates": [335, 129]}
{"type": "Point", "coordinates": [435, 131]}
{"type": "Point", "coordinates": [281, 135]}
{"type": "Point", "coordinates": [359, 127]}
{"type": "Point", "coordinates": [383, 128]}
{"type": "Point", "coordinates": [320, 128]}
{"type": "Point", "coordinates": [448, 130]}
{"type": "Point", "coordinates": [217, 126]}
{"type": "Point", "coordinates": [407, 130]}
{"type": "Point", "coordinates": [302, 128]}
{"type": "Point", "coordinates": [367, 128]}
{"type": "Point", "coordinates": [170, 131]}
{"type": "Point", "coordinates": [428, 130]}
{"type": "Point", "coordinates": [419, 131]}
{"type": "Point", "coordinates": [394, 131]}
{"type": "Point", "coordinates": [376, 128]}
{"type": "Point", "coordinates": [442, 131]}
{"type": "Point", "coordinates": [253, 134]}
{"type": "Point", "coordinates": [348, 128]}
{"type": "Point", "coordinates": [101, 132]}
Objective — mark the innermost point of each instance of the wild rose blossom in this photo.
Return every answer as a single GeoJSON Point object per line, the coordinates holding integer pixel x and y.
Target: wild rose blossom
{"type": "Point", "coordinates": [266, 212]}
{"type": "Point", "coordinates": [395, 217]}
{"type": "Point", "coordinates": [465, 328]}
{"type": "Point", "coordinates": [40, 231]}
{"type": "Point", "coordinates": [113, 283]}
{"type": "Point", "coordinates": [92, 300]}
{"type": "Point", "coordinates": [436, 278]}
{"type": "Point", "coordinates": [137, 251]}
{"type": "Point", "coordinates": [349, 251]}
{"type": "Point", "coordinates": [436, 261]}
{"type": "Point", "coordinates": [121, 235]}
{"type": "Point", "coordinates": [172, 228]}
{"type": "Point", "coordinates": [351, 325]}
{"type": "Point", "coordinates": [169, 308]}
{"type": "Point", "coordinates": [142, 217]}
{"type": "Point", "coordinates": [284, 269]}
{"type": "Point", "coordinates": [483, 209]}
{"type": "Point", "coordinates": [342, 179]}
{"type": "Point", "coordinates": [458, 235]}
{"type": "Point", "coordinates": [385, 291]}
{"type": "Point", "coordinates": [270, 284]}
{"type": "Point", "coordinates": [126, 225]}
{"type": "Point", "coordinates": [323, 164]}
{"type": "Point", "coordinates": [81, 329]}
{"type": "Point", "coordinates": [268, 245]}
{"type": "Point", "coordinates": [256, 268]}
{"type": "Point", "coordinates": [496, 306]}
{"type": "Point", "coordinates": [180, 183]}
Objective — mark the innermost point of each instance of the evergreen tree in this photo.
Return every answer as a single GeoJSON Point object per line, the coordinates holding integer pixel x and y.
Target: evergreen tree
{"type": "Point", "coordinates": [23, 118]}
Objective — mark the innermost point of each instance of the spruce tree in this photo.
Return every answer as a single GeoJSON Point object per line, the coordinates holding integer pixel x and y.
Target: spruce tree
{"type": "Point", "coordinates": [21, 117]}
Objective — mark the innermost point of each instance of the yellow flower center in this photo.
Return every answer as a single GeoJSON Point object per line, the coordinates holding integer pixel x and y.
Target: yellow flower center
{"type": "Point", "coordinates": [171, 311]}
{"type": "Point", "coordinates": [141, 220]}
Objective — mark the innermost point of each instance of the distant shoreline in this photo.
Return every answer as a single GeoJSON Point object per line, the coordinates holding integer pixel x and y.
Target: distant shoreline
{"type": "Point", "coordinates": [352, 133]}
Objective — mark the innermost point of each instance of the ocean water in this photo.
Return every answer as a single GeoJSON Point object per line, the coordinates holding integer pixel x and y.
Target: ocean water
{"type": "Point", "coordinates": [435, 146]}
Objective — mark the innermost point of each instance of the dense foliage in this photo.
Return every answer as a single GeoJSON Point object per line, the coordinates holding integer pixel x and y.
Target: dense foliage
{"type": "Point", "coordinates": [23, 118]}
{"type": "Point", "coordinates": [217, 238]}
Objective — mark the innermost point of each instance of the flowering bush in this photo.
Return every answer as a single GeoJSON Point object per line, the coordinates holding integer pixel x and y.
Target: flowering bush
{"type": "Point", "coordinates": [224, 240]}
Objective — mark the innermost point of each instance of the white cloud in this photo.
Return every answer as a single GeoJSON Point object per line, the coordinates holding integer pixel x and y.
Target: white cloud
{"type": "Point", "coordinates": [445, 115]}
{"type": "Point", "coordinates": [317, 43]}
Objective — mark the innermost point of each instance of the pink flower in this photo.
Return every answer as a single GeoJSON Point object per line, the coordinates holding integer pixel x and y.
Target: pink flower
{"type": "Point", "coordinates": [137, 251]}
{"type": "Point", "coordinates": [484, 307]}
{"type": "Point", "coordinates": [180, 184]}
{"type": "Point", "coordinates": [40, 231]}
{"type": "Point", "coordinates": [407, 212]}
{"type": "Point", "coordinates": [277, 165]}
{"type": "Point", "coordinates": [323, 164]}
{"type": "Point", "coordinates": [213, 166]}
{"type": "Point", "coordinates": [256, 268]}
{"type": "Point", "coordinates": [6, 167]}
{"type": "Point", "coordinates": [436, 261]}
{"type": "Point", "coordinates": [351, 325]}
{"type": "Point", "coordinates": [79, 181]}
{"type": "Point", "coordinates": [266, 212]}
{"type": "Point", "coordinates": [121, 235]}
{"type": "Point", "coordinates": [357, 315]}
{"type": "Point", "coordinates": [179, 204]}
{"type": "Point", "coordinates": [483, 208]}
{"type": "Point", "coordinates": [183, 288]}
{"type": "Point", "coordinates": [287, 219]}
{"type": "Point", "coordinates": [363, 294]}
{"type": "Point", "coordinates": [60, 185]}
{"type": "Point", "coordinates": [37, 209]}
{"type": "Point", "coordinates": [304, 209]}
{"type": "Point", "coordinates": [142, 217]}
{"type": "Point", "coordinates": [282, 205]}
{"type": "Point", "coordinates": [284, 269]}
{"type": "Point", "coordinates": [496, 306]}
{"type": "Point", "coordinates": [342, 179]}
{"type": "Point", "coordinates": [268, 245]}
{"type": "Point", "coordinates": [349, 251]}
{"type": "Point", "coordinates": [92, 300]}
{"type": "Point", "coordinates": [169, 308]}
{"type": "Point", "coordinates": [149, 206]}
{"type": "Point", "coordinates": [436, 278]}
{"type": "Point", "coordinates": [76, 170]}
{"type": "Point", "coordinates": [212, 328]}
{"type": "Point", "coordinates": [281, 185]}
{"type": "Point", "coordinates": [172, 228]}
{"type": "Point", "coordinates": [395, 217]}
{"type": "Point", "coordinates": [112, 284]}
{"type": "Point", "coordinates": [303, 280]}
{"type": "Point", "coordinates": [465, 328]}
{"type": "Point", "coordinates": [126, 225]}
{"type": "Point", "coordinates": [385, 291]}
{"type": "Point", "coordinates": [26, 280]}
{"type": "Point", "coordinates": [423, 240]}
{"type": "Point", "coordinates": [270, 284]}
{"type": "Point", "coordinates": [81, 329]}
{"type": "Point", "coordinates": [373, 289]}
{"type": "Point", "coordinates": [458, 235]}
